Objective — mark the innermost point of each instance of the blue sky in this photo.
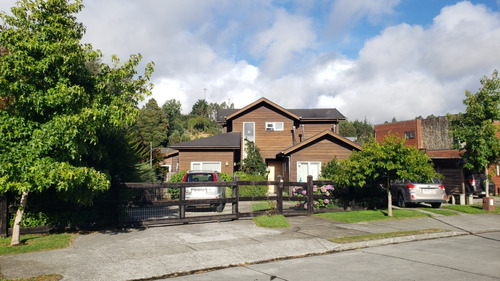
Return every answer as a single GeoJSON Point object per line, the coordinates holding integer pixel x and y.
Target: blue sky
{"type": "Point", "coordinates": [370, 59]}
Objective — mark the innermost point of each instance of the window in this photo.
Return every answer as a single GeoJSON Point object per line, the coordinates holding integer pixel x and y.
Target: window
{"type": "Point", "coordinates": [306, 168]}
{"type": "Point", "coordinates": [248, 135]}
{"type": "Point", "coordinates": [410, 135]}
{"type": "Point", "coordinates": [274, 126]}
{"type": "Point", "coordinates": [210, 166]}
{"type": "Point", "coordinates": [498, 169]}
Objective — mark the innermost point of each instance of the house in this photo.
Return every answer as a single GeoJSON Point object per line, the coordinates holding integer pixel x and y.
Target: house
{"type": "Point", "coordinates": [293, 143]}
{"type": "Point", "coordinates": [433, 136]}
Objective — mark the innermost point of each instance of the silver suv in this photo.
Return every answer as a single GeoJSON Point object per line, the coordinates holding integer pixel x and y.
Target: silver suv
{"type": "Point", "coordinates": [405, 192]}
{"type": "Point", "coordinates": [205, 192]}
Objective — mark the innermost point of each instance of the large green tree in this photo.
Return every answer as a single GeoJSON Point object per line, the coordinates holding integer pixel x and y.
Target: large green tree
{"type": "Point", "coordinates": [57, 97]}
{"type": "Point", "coordinates": [380, 163]}
{"type": "Point", "coordinates": [151, 125]}
{"type": "Point", "coordinates": [474, 130]}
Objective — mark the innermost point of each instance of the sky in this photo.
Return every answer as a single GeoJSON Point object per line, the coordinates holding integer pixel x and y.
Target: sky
{"type": "Point", "coordinates": [373, 60]}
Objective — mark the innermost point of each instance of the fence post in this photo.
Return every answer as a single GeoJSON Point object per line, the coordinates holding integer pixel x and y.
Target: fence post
{"type": "Point", "coordinates": [115, 200]}
{"type": "Point", "coordinates": [4, 223]}
{"type": "Point", "coordinates": [310, 200]}
{"type": "Point", "coordinates": [182, 198]}
{"type": "Point", "coordinates": [279, 198]}
{"type": "Point", "coordinates": [236, 196]}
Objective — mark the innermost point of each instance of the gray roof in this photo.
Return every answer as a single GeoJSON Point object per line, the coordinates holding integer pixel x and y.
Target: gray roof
{"type": "Point", "coordinates": [230, 140]}
{"type": "Point", "coordinates": [305, 114]}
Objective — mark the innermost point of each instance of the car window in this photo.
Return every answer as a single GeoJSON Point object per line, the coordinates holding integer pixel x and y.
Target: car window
{"type": "Point", "coordinates": [200, 177]}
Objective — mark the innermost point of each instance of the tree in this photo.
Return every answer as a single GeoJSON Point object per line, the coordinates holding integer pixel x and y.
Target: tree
{"type": "Point", "coordinates": [59, 98]}
{"type": "Point", "coordinates": [151, 125]}
{"type": "Point", "coordinates": [380, 163]}
{"type": "Point", "coordinates": [253, 163]}
{"type": "Point", "coordinates": [474, 130]}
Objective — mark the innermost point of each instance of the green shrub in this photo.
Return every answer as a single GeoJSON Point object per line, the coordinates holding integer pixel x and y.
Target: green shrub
{"type": "Point", "coordinates": [32, 219]}
{"type": "Point", "coordinates": [177, 177]}
{"type": "Point", "coordinates": [252, 190]}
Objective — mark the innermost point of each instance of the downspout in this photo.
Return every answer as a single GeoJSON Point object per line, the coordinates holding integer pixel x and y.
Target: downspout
{"type": "Point", "coordinates": [293, 135]}
{"type": "Point", "coordinates": [303, 132]}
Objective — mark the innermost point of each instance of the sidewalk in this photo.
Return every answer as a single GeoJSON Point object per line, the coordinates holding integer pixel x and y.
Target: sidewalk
{"type": "Point", "coordinates": [163, 251]}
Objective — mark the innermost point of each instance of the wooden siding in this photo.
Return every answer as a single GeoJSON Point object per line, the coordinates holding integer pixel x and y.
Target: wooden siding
{"type": "Point", "coordinates": [222, 156]}
{"type": "Point", "coordinates": [312, 129]}
{"type": "Point", "coordinates": [321, 151]}
{"type": "Point", "coordinates": [269, 142]}
{"type": "Point", "coordinates": [399, 128]}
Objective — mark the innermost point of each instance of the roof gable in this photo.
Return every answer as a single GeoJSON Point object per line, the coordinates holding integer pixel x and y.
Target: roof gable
{"type": "Point", "coordinates": [316, 114]}
{"type": "Point", "coordinates": [321, 135]}
{"type": "Point", "coordinates": [259, 102]}
{"type": "Point", "coordinates": [230, 140]}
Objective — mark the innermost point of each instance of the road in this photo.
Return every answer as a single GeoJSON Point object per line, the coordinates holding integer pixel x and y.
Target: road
{"type": "Point", "coordinates": [469, 257]}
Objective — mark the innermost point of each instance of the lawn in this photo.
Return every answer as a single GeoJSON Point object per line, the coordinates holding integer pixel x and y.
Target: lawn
{"type": "Point", "coordinates": [371, 215]}
{"type": "Point", "coordinates": [471, 209]}
{"type": "Point", "coordinates": [374, 236]}
{"type": "Point", "coordinates": [36, 243]}
{"type": "Point", "coordinates": [275, 221]}
{"type": "Point", "coordinates": [440, 211]}
{"type": "Point", "coordinates": [47, 277]}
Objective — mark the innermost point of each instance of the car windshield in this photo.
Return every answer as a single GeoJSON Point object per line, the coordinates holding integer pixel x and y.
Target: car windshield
{"type": "Point", "coordinates": [199, 177]}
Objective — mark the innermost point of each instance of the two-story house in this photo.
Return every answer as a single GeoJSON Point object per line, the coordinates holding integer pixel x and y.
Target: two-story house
{"type": "Point", "coordinates": [294, 143]}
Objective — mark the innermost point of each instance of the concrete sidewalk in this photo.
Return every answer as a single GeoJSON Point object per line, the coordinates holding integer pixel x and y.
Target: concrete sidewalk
{"type": "Point", "coordinates": [164, 251]}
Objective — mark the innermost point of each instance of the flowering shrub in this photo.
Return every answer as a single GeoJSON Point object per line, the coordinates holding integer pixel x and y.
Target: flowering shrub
{"type": "Point", "coordinates": [325, 190]}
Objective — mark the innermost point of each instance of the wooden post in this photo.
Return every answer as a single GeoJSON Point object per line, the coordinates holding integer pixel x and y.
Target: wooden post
{"type": "Point", "coordinates": [182, 199]}
{"type": "Point", "coordinates": [279, 194]}
{"type": "Point", "coordinates": [310, 200]}
{"type": "Point", "coordinates": [4, 223]}
{"type": "Point", "coordinates": [236, 196]}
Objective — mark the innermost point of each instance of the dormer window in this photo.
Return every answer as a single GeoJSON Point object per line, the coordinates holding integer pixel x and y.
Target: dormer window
{"type": "Point", "coordinates": [274, 126]}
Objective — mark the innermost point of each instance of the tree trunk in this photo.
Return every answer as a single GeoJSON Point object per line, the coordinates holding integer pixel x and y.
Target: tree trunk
{"type": "Point", "coordinates": [389, 197]}
{"type": "Point", "coordinates": [487, 182]}
{"type": "Point", "coordinates": [16, 230]}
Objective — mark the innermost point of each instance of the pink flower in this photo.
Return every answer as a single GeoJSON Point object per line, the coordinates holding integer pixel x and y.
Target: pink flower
{"type": "Point", "coordinates": [323, 189]}
{"type": "Point", "coordinates": [305, 205]}
{"type": "Point", "coordinates": [298, 205]}
{"type": "Point", "coordinates": [315, 202]}
{"type": "Point", "coordinates": [327, 194]}
{"type": "Point", "coordinates": [304, 192]}
{"type": "Point", "coordinates": [326, 201]}
{"type": "Point", "coordinates": [329, 187]}
{"type": "Point", "coordinates": [315, 188]}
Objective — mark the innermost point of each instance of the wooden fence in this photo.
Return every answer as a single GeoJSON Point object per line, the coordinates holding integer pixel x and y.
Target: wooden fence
{"type": "Point", "coordinates": [147, 204]}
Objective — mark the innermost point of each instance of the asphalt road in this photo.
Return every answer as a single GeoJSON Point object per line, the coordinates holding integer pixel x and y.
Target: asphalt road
{"type": "Point", "coordinates": [469, 257]}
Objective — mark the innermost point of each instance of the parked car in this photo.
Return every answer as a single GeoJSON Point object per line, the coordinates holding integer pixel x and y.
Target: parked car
{"type": "Point", "coordinates": [474, 184]}
{"type": "Point", "coordinates": [205, 192]}
{"type": "Point", "coordinates": [406, 192]}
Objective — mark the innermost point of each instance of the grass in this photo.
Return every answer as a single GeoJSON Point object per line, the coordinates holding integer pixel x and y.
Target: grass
{"type": "Point", "coordinates": [375, 236]}
{"type": "Point", "coordinates": [275, 221]}
{"type": "Point", "coordinates": [440, 212]}
{"type": "Point", "coordinates": [371, 215]}
{"type": "Point", "coordinates": [260, 206]}
{"type": "Point", "coordinates": [471, 209]}
{"type": "Point", "coordinates": [36, 243]}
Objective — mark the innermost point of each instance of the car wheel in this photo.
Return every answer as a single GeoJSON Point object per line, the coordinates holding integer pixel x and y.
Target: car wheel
{"type": "Point", "coordinates": [220, 208]}
{"type": "Point", "coordinates": [436, 205]}
{"type": "Point", "coordinates": [401, 201]}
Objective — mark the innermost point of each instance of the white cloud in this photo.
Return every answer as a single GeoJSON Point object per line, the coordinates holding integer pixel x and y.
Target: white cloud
{"type": "Point", "coordinates": [288, 37]}
{"type": "Point", "coordinates": [346, 13]}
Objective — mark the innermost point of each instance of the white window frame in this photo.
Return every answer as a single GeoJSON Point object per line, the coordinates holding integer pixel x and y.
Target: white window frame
{"type": "Point", "coordinates": [201, 163]}
{"type": "Point", "coordinates": [275, 126]}
{"type": "Point", "coordinates": [247, 137]}
{"type": "Point", "coordinates": [308, 163]}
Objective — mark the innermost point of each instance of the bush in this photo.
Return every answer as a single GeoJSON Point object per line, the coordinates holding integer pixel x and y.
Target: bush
{"type": "Point", "coordinates": [252, 190]}
{"type": "Point", "coordinates": [326, 190]}
{"type": "Point", "coordinates": [32, 219]}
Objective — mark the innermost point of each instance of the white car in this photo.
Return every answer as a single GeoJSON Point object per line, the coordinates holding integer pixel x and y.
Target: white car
{"type": "Point", "coordinates": [405, 192]}
{"type": "Point", "coordinates": [205, 192]}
